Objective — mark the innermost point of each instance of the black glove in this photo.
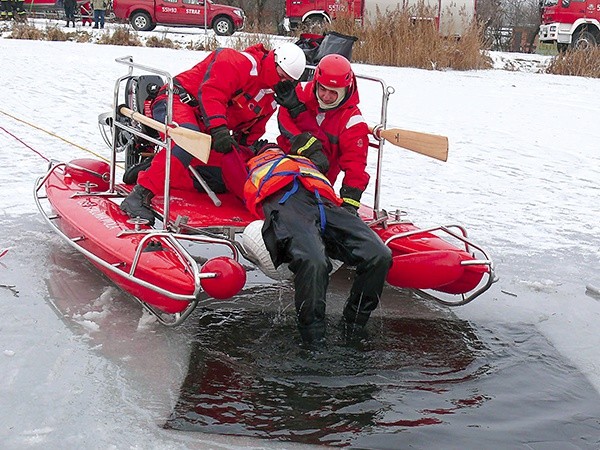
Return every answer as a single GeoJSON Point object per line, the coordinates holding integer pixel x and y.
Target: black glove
{"type": "Point", "coordinates": [258, 145]}
{"type": "Point", "coordinates": [285, 95]}
{"type": "Point", "coordinates": [307, 145]}
{"type": "Point", "coordinates": [222, 141]}
{"type": "Point", "coordinates": [351, 197]}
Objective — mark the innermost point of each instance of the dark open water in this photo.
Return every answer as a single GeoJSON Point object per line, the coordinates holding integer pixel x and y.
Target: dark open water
{"type": "Point", "coordinates": [420, 378]}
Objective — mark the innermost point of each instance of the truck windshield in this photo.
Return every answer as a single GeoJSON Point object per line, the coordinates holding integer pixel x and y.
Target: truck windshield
{"type": "Point", "coordinates": [550, 2]}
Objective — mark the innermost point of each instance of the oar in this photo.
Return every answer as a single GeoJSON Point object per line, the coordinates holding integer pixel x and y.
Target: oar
{"type": "Point", "coordinates": [195, 143]}
{"type": "Point", "coordinates": [431, 145]}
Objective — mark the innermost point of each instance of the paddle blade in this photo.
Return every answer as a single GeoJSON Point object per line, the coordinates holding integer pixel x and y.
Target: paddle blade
{"type": "Point", "coordinates": [431, 145]}
{"type": "Point", "coordinates": [195, 143]}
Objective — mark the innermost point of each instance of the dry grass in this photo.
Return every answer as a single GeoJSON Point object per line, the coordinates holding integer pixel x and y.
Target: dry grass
{"type": "Point", "coordinates": [51, 33]}
{"type": "Point", "coordinates": [163, 42]}
{"type": "Point", "coordinates": [242, 42]}
{"type": "Point", "coordinates": [26, 31]}
{"type": "Point", "coordinates": [583, 62]}
{"type": "Point", "coordinates": [121, 36]}
{"type": "Point", "coordinates": [56, 33]}
{"type": "Point", "coordinates": [82, 36]}
{"type": "Point", "coordinates": [395, 39]}
{"type": "Point", "coordinates": [207, 45]}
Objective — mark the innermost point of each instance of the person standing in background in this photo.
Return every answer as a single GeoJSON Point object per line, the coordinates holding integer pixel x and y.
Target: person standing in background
{"type": "Point", "coordinates": [99, 11]}
{"type": "Point", "coordinates": [70, 6]}
{"type": "Point", "coordinates": [85, 9]}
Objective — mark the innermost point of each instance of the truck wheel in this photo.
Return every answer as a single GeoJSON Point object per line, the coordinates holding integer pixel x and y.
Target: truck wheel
{"type": "Point", "coordinates": [141, 21]}
{"type": "Point", "coordinates": [583, 39]}
{"type": "Point", "coordinates": [223, 26]}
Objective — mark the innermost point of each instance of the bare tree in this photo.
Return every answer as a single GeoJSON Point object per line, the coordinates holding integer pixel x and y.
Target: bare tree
{"type": "Point", "coordinates": [501, 17]}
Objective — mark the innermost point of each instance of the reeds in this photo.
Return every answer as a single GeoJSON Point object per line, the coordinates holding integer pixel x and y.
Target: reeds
{"type": "Point", "coordinates": [584, 62]}
{"type": "Point", "coordinates": [398, 39]}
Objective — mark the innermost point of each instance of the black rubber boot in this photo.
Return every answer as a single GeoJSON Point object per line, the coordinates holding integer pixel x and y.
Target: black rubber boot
{"type": "Point", "coordinates": [137, 204]}
{"type": "Point", "coordinates": [313, 336]}
{"type": "Point", "coordinates": [352, 332]}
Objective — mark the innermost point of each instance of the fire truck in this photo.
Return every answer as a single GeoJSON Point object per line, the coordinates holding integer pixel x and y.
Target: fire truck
{"type": "Point", "coordinates": [574, 23]}
{"type": "Point", "coordinates": [450, 17]}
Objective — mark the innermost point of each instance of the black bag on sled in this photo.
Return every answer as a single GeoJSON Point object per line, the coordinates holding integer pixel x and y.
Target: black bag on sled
{"type": "Point", "coordinates": [316, 46]}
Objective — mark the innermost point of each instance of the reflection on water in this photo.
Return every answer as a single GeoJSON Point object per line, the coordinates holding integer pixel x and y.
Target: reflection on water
{"type": "Point", "coordinates": [412, 380]}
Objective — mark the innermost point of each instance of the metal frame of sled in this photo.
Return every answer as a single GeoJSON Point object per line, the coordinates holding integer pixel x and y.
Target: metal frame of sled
{"type": "Point", "coordinates": [164, 237]}
{"type": "Point", "coordinates": [173, 232]}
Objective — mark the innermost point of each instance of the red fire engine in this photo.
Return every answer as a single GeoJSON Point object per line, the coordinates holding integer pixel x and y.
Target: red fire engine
{"type": "Point", "coordinates": [570, 22]}
{"type": "Point", "coordinates": [451, 17]}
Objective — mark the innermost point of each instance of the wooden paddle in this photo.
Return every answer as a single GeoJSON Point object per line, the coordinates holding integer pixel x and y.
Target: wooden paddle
{"type": "Point", "coordinates": [426, 144]}
{"type": "Point", "coordinates": [195, 143]}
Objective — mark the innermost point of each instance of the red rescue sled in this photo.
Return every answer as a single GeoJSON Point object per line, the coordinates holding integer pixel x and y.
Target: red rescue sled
{"type": "Point", "coordinates": [198, 251]}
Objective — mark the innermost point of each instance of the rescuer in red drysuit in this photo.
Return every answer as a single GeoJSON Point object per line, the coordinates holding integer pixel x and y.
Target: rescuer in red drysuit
{"type": "Point", "coordinates": [229, 95]}
{"type": "Point", "coordinates": [327, 107]}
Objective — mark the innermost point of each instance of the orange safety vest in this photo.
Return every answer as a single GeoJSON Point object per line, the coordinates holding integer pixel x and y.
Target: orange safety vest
{"type": "Point", "coordinates": [273, 170]}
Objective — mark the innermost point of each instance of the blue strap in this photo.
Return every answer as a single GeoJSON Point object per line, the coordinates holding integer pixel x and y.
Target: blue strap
{"type": "Point", "coordinates": [269, 173]}
{"type": "Point", "coordinates": [321, 211]}
{"type": "Point", "coordinates": [292, 191]}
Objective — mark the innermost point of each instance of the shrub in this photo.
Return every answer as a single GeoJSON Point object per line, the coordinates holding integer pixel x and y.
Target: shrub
{"type": "Point", "coordinates": [121, 36]}
{"type": "Point", "coordinates": [26, 31]}
{"type": "Point", "coordinates": [582, 62]}
{"type": "Point", "coordinates": [163, 42]}
{"type": "Point", "coordinates": [55, 33]}
{"type": "Point", "coordinates": [396, 39]}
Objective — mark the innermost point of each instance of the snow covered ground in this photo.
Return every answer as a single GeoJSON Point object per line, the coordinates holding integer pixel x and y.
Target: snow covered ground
{"type": "Point", "coordinates": [522, 177]}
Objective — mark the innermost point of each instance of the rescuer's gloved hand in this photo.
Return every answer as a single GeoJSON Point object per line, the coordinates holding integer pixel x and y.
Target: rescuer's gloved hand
{"type": "Point", "coordinates": [310, 147]}
{"type": "Point", "coordinates": [285, 95]}
{"type": "Point", "coordinates": [351, 197]}
{"type": "Point", "coordinates": [222, 141]}
{"type": "Point", "coordinates": [258, 146]}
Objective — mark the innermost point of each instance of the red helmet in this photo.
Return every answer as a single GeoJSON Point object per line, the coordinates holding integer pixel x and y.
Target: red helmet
{"type": "Point", "coordinates": [334, 71]}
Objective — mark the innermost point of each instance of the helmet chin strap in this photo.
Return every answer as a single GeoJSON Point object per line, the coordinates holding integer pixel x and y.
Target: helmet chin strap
{"type": "Point", "coordinates": [341, 92]}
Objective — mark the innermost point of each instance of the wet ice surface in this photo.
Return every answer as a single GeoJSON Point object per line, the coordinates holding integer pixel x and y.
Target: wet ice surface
{"type": "Point", "coordinates": [83, 367]}
{"type": "Point", "coordinates": [421, 375]}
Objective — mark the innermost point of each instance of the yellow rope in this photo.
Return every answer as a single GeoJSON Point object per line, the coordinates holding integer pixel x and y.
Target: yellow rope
{"type": "Point", "coordinates": [55, 135]}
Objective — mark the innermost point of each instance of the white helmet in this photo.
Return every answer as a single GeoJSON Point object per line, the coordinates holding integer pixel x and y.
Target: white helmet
{"type": "Point", "coordinates": [291, 59]}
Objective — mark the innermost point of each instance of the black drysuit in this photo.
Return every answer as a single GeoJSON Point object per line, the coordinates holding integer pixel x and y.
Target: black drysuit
{"type": "Point", "coordinates": [299, 232]}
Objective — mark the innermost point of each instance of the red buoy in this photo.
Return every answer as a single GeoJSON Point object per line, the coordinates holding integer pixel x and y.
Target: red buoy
{"type": "Point", "coordinates": [230, 277]}
{"type": "Point", "coordinates": [87, 170]}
